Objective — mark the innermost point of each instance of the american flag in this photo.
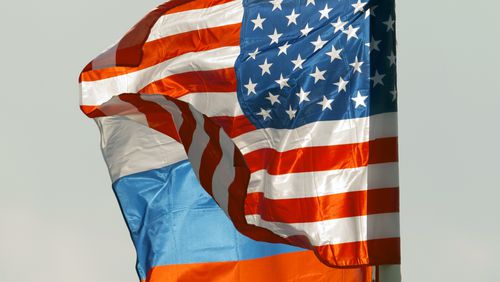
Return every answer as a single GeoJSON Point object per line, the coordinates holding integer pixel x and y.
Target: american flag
{"type": "Point", "coordinates": [285, 109]}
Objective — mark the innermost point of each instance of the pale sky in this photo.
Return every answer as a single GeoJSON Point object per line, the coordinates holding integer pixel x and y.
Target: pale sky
{"type": "Point", "coordinates": [59, 220]}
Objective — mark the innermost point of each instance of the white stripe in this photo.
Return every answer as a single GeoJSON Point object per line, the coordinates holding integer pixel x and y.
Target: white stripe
{"type": "Point", "coordinates": [336, 231]}
{"type": "Point", "coordinates": [100, 91]}
{"type": "Point", "coordinates": [219, 15]}
{"type": "Point", "coordinates": [215, 104]}
{"type": "Point", "coordinates": [200, 142]}
{"type": "Point", "coordinates": [321, 133]}
{"type": "Point", "coordinates": [299, 185]}
{"type": "Point", "coordinates": [130, 147]}
{"type": "Point", "coordinates": [224, 173]}
{"type": "Point", "coordinates": [118, 107]}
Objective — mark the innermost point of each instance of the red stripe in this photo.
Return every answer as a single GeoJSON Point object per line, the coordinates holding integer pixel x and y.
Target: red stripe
{"type": "Point", "coordinates": [178, 85]}
{"type": "Point", "coordinates": [211, 157]}
{"type": "Point", "coordinates": [92, 111]}
{"type": "Point", "coordinates": [170, 47]}
{"type": "Point", "coordinates": [236, 203]}
{"type": "Point", "coordinates": [323, 208]}
{"type": "Point", "coordinates": [297, 267]}
{"type": "Point", "coordinates": [372, 252]}
{"type": "Point", "coordinates": [113, 107]}
{"type": "Point", "coordinates": [194, 5]}
{"type": "Point", "coordinates": [234, 126]}
{"type": "Point", "coordinates": [188, 126]}
{"type": "Point", "coordinates": [157, 117]}
{"type": "Point", "coordinates": [129, 52]}
{"type": "Point", "coordinates": [323, 158]}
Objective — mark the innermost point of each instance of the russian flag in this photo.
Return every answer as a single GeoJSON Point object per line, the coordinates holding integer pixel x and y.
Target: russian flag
{"type": "Point", "coordinates": [179, 232]}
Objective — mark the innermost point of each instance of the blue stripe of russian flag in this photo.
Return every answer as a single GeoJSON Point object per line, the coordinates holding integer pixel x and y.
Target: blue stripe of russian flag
{"type": "Point", "coordinates": [172, 220]}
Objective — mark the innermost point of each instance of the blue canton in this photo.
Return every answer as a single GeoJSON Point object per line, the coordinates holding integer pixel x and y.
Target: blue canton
{"type": "Point", "coordinates": [303, 61]}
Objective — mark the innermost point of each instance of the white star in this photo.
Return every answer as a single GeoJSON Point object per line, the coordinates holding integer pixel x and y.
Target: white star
{"type": "Point", "coordinates": [253, 55]}
{"type": "Point", "coordinates": [305, 31]}
{"type": "Point", "coordinates": [351, 32]}
{"type": "Point", "coordinates": [357, 65]}
{"type": "Point", "coordinates": [389, 23]}
{"type": "Point", "coordinates": [324, 13]}
{"type": "Point", "coordinates": [310, 2]}
{"type": "Point", "coordinates": [371, 11]}
{"type": "Point", "coordinates": [298, 63]}
{"type": "Point", "coordinates": [273, 98]}
{"type": "Point", "coordinates": [334, 54]}
{"type": "Point", "coordinates": [339, 25]}
{"type": "Point", "coordinates": [374, 44]}
{"type": "Point", "coordinates": [291, 112]}
{"type": "Point", "coordinates": [358, 7]}
{"type": "Point", "coordinates": [377, 78]}
{"type": "Point", "coordinates": [360, 100]}
{"type": "Point", "coordinates": [258, 22]}
{"type": "Point", "coordinates": [394, 94]}
{"type": "Point", "coordinates": [283, 49]}
{"type": "Point", "coordinates": [342, 84]}
{"type": "Point", "coordinates": [318, 75]}
{"type": "Point", "coordinates": [265, 114]}
{"type": "Point", "coordinates": [251, 87]}
{"type": "Point", "coordinates": [276, 4]}
{"type": "Point", "coordinates": [303, 96]}
{"type": "Point", "coordinates": [392, 59]}
{"type": "Point", "coordinates": [318, 44]}
{"type": "Point", "coordinates": [275, 37]}
{"type": "Point", "coordinates": [292, 18]}
{"type": "Point", "coordinates": [326, 103]}
{"type": "Point", "coordinates": [265, 67]}
{"type": "Point", "coordinates": [367, 13]}
{"type": "Point", "coordinates": [283, 82]}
